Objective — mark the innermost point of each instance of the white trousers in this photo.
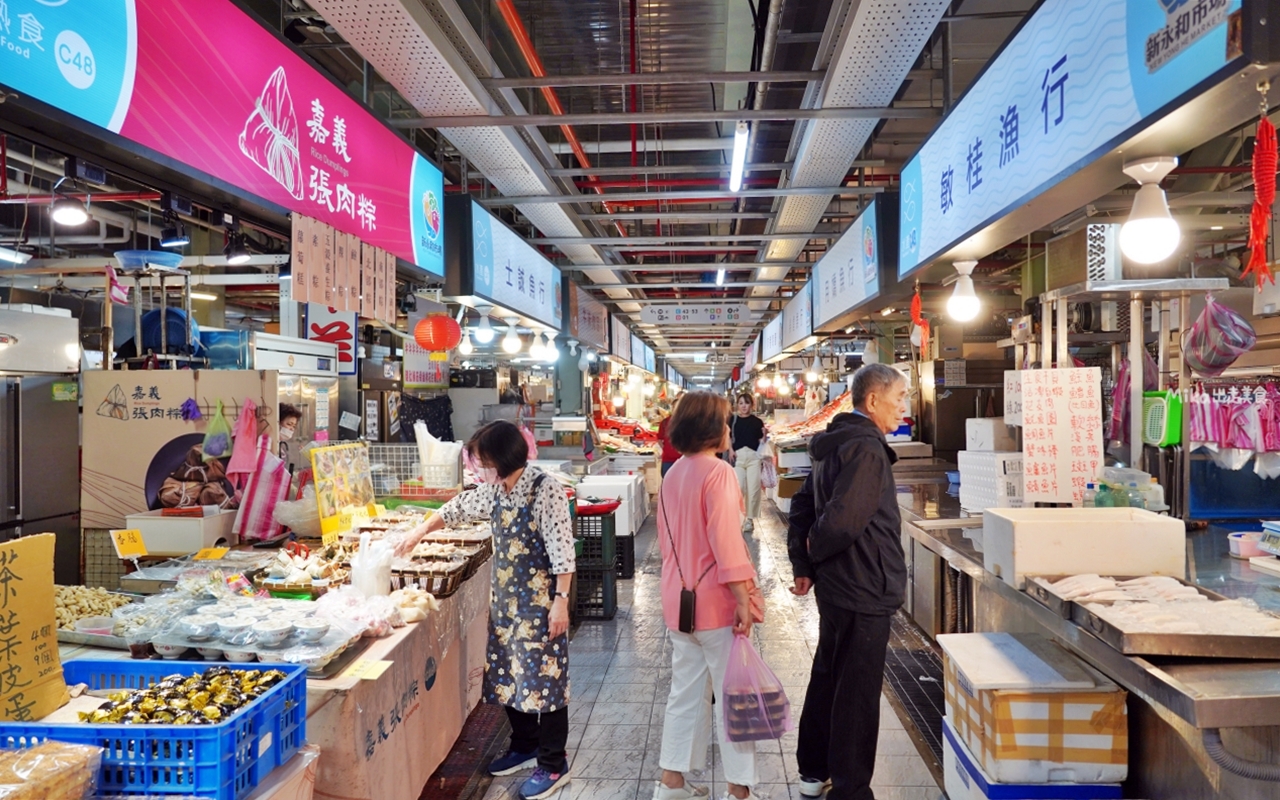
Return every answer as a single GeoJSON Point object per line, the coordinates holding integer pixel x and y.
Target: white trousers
{"type": "Point", "coordinates": [698, 664]}
{"type": "Point", "coordinates": [747, 465]}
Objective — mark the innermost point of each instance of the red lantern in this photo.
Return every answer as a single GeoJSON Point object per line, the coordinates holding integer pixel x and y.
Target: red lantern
{"type": "Point", "coordinates": [438, 333]}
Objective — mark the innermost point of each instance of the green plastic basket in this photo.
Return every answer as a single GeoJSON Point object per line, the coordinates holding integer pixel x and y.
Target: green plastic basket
{"type": "Point", "coordinates": [1161, 418]}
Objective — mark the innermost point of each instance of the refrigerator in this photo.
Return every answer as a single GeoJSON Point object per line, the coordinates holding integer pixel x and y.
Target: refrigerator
{"type": "Point", "coordinates": [308, 380]}
{"type": "Point", "coordinates": [40, 431]}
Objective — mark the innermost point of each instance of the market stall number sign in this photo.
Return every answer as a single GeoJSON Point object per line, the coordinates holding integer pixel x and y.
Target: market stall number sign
{"type": "Point", "coordinates": [129, 543]}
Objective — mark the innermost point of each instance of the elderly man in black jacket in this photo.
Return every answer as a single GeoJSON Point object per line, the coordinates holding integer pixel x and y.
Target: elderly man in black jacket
{"type": "Point", "coordinates": [845, 543]}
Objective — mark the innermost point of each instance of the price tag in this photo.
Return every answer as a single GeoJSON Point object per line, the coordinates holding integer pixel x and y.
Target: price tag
{"type": "Point", "coordinates": [330, 537]}
{"type": "Point", "coordinates": [379, 510]}
{"type": "Point", "coordinates": [367, 670]}
{"type": "Point", "coordinates": [211, 554]}
{"type": "Point", "coordinates": [128, 543]}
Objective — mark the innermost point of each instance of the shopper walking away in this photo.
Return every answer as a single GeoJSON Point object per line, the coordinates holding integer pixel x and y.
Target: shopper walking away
{"type": "Point", "coordinates": [746, 435]}
{"type": "Point", "coordinates": [844, 542]}
{"type": "Point", "coordinates": [706, 571]}
{"type": "Point", "coordinates": [527, 666]}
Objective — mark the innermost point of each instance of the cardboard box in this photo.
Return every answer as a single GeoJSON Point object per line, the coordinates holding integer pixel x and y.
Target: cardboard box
{"type": "Point", "coordinates": [788, 485]}
{"type": "Point", "coordinates": [1029, 712]}
{"type": "Point", "coordinates": [180, 536]}
{"type": "Point", "coordinates": [964, 779]}
{"type": "Point", "coordinates": [989, 433]}
{"type": "Point", "coordinates": [1077, 541]}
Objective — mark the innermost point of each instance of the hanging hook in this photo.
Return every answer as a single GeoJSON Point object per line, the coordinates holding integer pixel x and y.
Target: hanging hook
{"type": "Point", "coordinates": [1264, 87]}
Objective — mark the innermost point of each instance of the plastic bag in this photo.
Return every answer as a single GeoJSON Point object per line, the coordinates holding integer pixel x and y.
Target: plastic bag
{"type": "Point", "coordinates": [768, 474]}
{"type": "Point", "coordinates": [217, 437]}
{"type": "Point", "coordinates": [1218, 337]}
{"type": "Point", "coordinates": [532, 442]}
{"type": "Point", "coordinates": [267, 487]}
{"type": "Point", "coordinates": [302, 516]}
{"type": "Point", "coordinates": [755, 706]}
{"type": "Point", "coordinates": [243, 451]}
{"type": "Point", "coordinates": [51, 769]}
{"type": "Point", "coordinates": [1119, 428]}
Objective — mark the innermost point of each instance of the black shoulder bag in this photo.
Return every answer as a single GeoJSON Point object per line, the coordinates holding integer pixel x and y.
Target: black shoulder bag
{"type": "Point", "coordinates": [688, 597]}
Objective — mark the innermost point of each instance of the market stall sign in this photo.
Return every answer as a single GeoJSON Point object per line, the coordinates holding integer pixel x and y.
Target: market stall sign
{"type": "Point", "coordinates": [234, 102]}
{"type": "Point", "coordinates": [695, 314]}
{"type": "Point", "coordinates": [1061, 433]}
{"type": "Point", "coordinates": [129, 543]}
{"type": "Point", "coordinates": [31, 684]}
{"type": "Point", "coordinates": [211, 554]}
{"type": "Point", "coordinates": [344, 486]}
{"type": "Point", "coordinates": [1013, 397]}
{"type": "Point", "coordinates": [797, 320]}
{"type": "Point", "coordinates": [751, 356]}
{"type": "Point", "coordinates": [621, 339]}
{"type": "Point", "coordinates": [324, 324]}
{"type": "Point", "coordinates": [848, 274]}
{"type": "Point", "coordinates": [637, 351]}
{"type": "Point", "coordinates": [650, 359]}
{"type": "Point", "coordinates": [365, 669]}
{"type": "Point", "coordinates": [1078, 78]}
{"type": "Point", "coordinates": [589, 319]}
{"type": "Point", "coordinates": [771, 339]}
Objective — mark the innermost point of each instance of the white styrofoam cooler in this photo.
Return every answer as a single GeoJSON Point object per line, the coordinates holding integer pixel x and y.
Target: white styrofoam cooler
{"type": "Point", "coordinates": [180, 536]}
{"type": "Point", "coordinates": [1018, 542]}
{"type": "Point", "coordinates": [989, 479]}
{"type": "Point", "coordinates": [964, 779]}
{"type": "Point", "coordinates": [793, 459]}
{"type": "Point", "coordinates": [629, 489]}
{"type": "Point", "coordinates": [989, 433]}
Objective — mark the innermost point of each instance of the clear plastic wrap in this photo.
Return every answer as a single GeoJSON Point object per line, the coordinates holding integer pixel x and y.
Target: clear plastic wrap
{"type": "Point", "coordinates": [1217, 338]}
{"type": "Point", "coordinates": [49, 771]}
{"type": "Point", "coordinates": [302, 516]}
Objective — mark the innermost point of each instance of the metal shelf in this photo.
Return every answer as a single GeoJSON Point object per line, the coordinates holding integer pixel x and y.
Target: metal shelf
{"type": "Point", "coordinates": [1156, 289]}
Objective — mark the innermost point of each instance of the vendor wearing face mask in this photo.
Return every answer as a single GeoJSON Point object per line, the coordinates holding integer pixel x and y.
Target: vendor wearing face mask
{"type": "Point", "coordinates": [290, 416]}
{"type": "Point", "coordinates": [527, 667]}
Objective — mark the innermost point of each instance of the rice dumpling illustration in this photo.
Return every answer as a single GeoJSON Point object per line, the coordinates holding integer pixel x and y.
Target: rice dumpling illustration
{"type": "Point", "coordinates": [270, 135]}
{"type": "Point", "coordinates": [116, 405]}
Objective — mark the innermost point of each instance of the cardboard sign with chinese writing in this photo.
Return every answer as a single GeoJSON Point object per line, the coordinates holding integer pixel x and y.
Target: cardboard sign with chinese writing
{"type": "Point", "coordinates": [1012, 397]}
{"type": "Point", "coordinates": [129, 543]}
{"type": "Point", "coordinates": [31, 685]}
{"type": "Point", "coordinates": [1062, 433]}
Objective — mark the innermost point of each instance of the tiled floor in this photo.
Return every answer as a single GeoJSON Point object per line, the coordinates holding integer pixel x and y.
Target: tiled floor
{"type": "Point", "coordinates": [620, 672]}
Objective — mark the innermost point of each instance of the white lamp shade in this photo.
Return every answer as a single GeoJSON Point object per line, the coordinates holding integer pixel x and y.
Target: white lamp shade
{"type": "Point", "coordinates": [69, 211]}
{"type": "Point", "coordinates": [465, 347]}
{"type": "Point", "coordinates": [484, 333]}
{"type": "Point", "coordinates": [1151, 234]}
{"type": "Point", "coordinates": [537, 350]}
{"type": "Point", "coordinates": [551, 352]}
{"type": "Point", "coordinates": [963, 305]}
{"type": "Point", "coordinates": [511, 342]}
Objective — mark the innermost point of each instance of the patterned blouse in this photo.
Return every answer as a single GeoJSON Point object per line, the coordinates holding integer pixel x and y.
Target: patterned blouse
{"type": "Point", "coordinates": [550, 508]}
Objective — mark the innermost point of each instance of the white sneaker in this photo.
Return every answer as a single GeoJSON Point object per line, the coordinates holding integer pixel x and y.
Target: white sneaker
{"type": "Point", "coordinates": [686, 792]}
{"type": "Point", "coordinates": [810, 788]}
{"type": "Point", "coordinates": [749, 526]}
{"type": "Point", "coordinates": [751, 795]}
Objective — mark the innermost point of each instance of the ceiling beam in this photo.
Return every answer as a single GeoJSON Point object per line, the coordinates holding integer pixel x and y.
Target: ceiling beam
{"type": "Point", "coordinates": [728, 266]}
{"type": "Point", "coordinates": [679, 169]}
{"type": "Point", "coordinates": [710, 195]}
{"type": "Point", "coordinates": [705, 217]}
{"type": "Point", "coordinates": [665, 147]}
{"type": "Point", "coordinates": [651, 240]}
{"type": "Point", "coordinates": [711, 285]}
{"type": "Point", "coordinates": [653, 78]}
{"type": "Point", "coordinates": [663, 117]}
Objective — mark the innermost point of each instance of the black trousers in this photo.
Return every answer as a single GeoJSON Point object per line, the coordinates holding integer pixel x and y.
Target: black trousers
{"type": "Point", "coordinates": [840, 724]}
{"type": "Point", "coordinates": [546, 734]}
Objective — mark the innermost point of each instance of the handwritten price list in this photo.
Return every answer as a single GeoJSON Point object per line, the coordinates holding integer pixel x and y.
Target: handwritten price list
{"type": "Point", "coordinates": [1062, 433]}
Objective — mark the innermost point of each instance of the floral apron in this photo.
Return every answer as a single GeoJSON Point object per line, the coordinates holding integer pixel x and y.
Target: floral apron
{"type": "Point", "coordinates": [525, 669]}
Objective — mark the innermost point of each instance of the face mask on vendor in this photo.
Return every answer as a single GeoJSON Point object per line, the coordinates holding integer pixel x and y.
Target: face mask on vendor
{"type": "Point", "coordinates": [286, 433]}
{"type": "Point", "coordinates": [487, 475]}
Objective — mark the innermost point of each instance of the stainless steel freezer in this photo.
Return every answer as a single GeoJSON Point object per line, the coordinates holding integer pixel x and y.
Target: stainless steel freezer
{"type": "Point", "coordinates": [40, 432]}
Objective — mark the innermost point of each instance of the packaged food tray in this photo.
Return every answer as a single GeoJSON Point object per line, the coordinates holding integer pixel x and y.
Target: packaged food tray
{"type": "Point", "coordinates": [224, 761]}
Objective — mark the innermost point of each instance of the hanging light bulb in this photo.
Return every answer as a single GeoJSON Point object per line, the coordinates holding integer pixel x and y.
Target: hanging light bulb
{"type": "Point", "coordinates": [484, 333]}
{"type": "Point", "coordinates": [648, 390]}
{"type": "Point", "coordinates": [635, 379]}
{"type": "Point", "coordinates": [763, 382]}
{"type": "Point", "coordinates": [1151, 234]}
{"type": "Point", "coordinates": [784, 389]}
{"type": "Point", "coordinates": [815, 370]}
{"type": "Point", "coordinates": [778, 381]}
{"type": "Point", "coordinates": [584, 360]}
{"type": "Point", "coordinates": [465, 347]}
{"type": "Point", "coordinates": [69, 211]}
{"type": "Point", "coordinates": [537, 350]}
{"type": "Point", "coordinates": [963, 305]}
{"type": "Point", "coordinates": [511, 342]}
{"type": "Point", "coordinates": [552, 353]}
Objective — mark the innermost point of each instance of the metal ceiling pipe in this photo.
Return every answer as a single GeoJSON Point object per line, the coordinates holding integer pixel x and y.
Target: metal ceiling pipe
{"type": "Point", "coordinates": [682, 169]}
{"type": "Point", "coordinates": [101, 197]}
{"type": "Point", "coordinates": [636, 198]}
{"type": "Point", "coordinates": [631, 84]}
{"type": "Point", "coordinates": [651, 240]}
{"type": "Point", "coordinates": [654, 79]}
{"type": "Point", "coordinates": [660, 117]}
{"type": "Point", "coordinates": [534, 62]}
{"type": "Point", "coordinates": [669, 183]}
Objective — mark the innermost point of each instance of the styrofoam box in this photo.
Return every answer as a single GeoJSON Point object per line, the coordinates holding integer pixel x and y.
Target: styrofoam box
{"type": "Point", "coordinates": [1018, 542]}
{"type": "Point", "coordinates": [963, 779]}
{"type": "Point", "coordinates": [629, 489]}
{"type": "Point", "coordinates": [989, 433]}
{"type": "Point", "coordinates": [179, 536]}
{"type": "Point", "coordinates": [1029, 712]}
{"type": "Point", "coordinates": [793, 459]}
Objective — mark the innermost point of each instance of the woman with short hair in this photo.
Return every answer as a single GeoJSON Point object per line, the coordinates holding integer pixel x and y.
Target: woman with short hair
{"type": "Point", "coordinates": [527, 664]}
{"type": "Point", "coordinates": [699, 514]}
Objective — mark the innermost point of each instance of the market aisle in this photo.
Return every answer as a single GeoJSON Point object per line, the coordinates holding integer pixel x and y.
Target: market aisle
{"type": "Point", "coordinates": [620, 672]}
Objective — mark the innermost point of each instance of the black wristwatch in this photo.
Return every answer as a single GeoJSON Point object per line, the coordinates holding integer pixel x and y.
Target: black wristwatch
{"type": "Point", "coordinates": [565, 595]}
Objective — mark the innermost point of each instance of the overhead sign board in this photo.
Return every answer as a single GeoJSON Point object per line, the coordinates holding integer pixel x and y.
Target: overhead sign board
{"type": "Point", "coordinates": [695, 314]}
{"type": "Point", "coordinates": [620, 345]}
{"type": "Point", "coordinates": [797, 320]}
{"type": "Point", "coordinates": [637, 351]}
{"type": "Point", "coordinates": [849, 273]}
{"type": "Point", "coordinates": [490, 263]}
{"type": "Point", "coordinates": [650, 359]}
{"type": "Point", "coordinates": [771, 339]}
{"type": "Point", "coordinates": [589, 319]}
{"type": "Point", "coordinates": [751, 356]}
{"type": "Point", "coordinates": [1078, 78]}
{"type": "Point", "coordinates": [233, 102]}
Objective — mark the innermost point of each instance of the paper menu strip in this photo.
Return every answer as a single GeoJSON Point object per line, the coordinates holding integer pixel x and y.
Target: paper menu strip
{"type": "Point", "coordinates": [1062, 442]}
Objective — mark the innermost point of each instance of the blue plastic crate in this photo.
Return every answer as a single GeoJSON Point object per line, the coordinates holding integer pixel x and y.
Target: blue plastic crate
{"type": "Point", "coordinates": [224, 761]}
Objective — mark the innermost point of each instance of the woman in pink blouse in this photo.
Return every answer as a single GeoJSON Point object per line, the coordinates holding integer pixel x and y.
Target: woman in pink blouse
{"type": "Point", "coordinates": [700, 530]}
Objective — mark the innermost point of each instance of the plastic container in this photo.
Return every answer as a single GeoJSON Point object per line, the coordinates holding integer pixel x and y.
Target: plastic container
{"type": "Point", "coordinates": [1090, 496]}
{"type": "Point", "coordinates": [1104, 498]}
{"type": "Point", "coordinates": [1135, 497]}
{"type": "Point", "coordinates": [1155, 496]}
{"type": "Point", "coordinates": [198, 627]}
{"type": "Point", "coordinates": [223, 761]}
{"type": "Point", "coordinates": [312, 630]}
{"type": "Point", "coordinates": [102, 626]}
{"type": "Point", "coordinates": [1244, 544]}
{"type": "Point", "coordinates": [234, 626]}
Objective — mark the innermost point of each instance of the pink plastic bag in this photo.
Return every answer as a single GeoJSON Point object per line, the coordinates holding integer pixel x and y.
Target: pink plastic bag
{"type": "Point", "coordinates": [1119, 431]}
{"type": "Point", "coordinates": [755, 706]}
{"type": "Point", "coordinates": [1218, 337]}
{"type": "Point", "coordinates": [532, 442]}
{"type": "Point", "coordinates": [268, 485]}
{"type": "Point", "coordinates": [768, 474]}
{"type": "Point", "coordinates": [243, 452]}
